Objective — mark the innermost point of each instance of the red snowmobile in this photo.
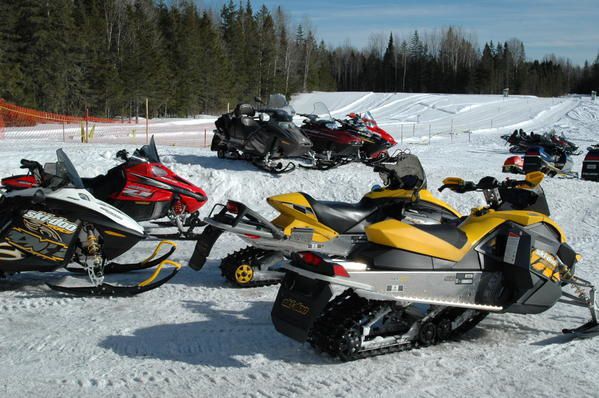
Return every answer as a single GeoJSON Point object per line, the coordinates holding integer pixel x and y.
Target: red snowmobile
{"type": "Point", "coordinates": [381, 140]}
{"type": "Point", "coordinates": [144, 189]}
{"type": "Point", "coordinates": [340, 141]}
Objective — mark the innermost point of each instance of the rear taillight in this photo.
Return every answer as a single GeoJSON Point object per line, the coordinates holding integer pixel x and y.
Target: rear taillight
{"type": "Point", "coordinates": [324, 267]}
{"type": "Point", "coordinates": [312, 259]}
{"type": "Point", "coordinates": [252, 236]}
{"type": "Point", "coordinates": [338, 270]}
{"type": "Point", "coordinates": [232, 207]}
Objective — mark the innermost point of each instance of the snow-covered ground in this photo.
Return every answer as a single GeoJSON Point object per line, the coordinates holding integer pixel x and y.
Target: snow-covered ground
{"type": "Point", "coordinates": [197, 336]}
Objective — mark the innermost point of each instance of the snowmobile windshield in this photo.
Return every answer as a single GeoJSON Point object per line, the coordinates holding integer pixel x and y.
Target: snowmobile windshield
{"type": "Point", "coordinates": [278, 101]}
{"type": "Point", "coordinates": [368, 119]}
{"type": "Point", "coordinates": [322, 112]}
{"type": "Point", "coordinates": [66, 171]}
{"type": "Point", "coordinates": [148, 152]}
{"type": "Point", "coordinates": [403, 172]}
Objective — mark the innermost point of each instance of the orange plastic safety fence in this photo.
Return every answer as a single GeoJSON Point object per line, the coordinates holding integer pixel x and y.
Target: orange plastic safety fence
{"type": "Point", "coordinates": [17, 116]}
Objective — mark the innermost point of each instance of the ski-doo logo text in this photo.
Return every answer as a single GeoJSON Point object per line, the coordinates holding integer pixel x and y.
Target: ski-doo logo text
{"type": "Point", "coordinates": [295, 306]}
{"type": "Point", "coordinates": [57, 223]}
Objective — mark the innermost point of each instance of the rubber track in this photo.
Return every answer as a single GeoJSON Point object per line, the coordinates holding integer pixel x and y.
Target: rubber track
{"type": "Point", "coordinates": [340, 324]}
{"type": "Point", "coordinates": [250, 255]}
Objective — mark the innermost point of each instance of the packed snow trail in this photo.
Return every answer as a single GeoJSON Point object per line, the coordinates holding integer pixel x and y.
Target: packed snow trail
{"type": "Point", "coordinates": [197, 336]}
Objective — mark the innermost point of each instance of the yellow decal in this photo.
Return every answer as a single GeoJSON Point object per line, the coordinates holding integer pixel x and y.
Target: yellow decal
{"type": "Point", "coordinates": [295, 306]}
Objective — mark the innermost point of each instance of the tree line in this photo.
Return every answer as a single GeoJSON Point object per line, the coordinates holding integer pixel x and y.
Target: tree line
{"type": "Point", "coordinates": [109, 55]}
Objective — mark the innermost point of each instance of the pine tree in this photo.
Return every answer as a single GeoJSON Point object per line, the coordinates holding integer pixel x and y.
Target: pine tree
{"type": "Point", "coordinates": [389, 73]}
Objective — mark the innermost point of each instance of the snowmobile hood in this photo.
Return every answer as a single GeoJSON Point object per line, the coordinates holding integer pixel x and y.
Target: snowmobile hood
{"type": "Point", "coordinates": [83, 199]}
{"type": "Point", "coordinates": [450, 244]}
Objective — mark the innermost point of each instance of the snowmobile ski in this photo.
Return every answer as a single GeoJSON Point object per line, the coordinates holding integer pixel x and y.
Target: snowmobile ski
{"type": "Point", "coordinates": [109, 290]}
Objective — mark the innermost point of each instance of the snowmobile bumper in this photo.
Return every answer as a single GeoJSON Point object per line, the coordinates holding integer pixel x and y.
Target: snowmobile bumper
{"type": "Point", "coordinates": [246, 223]}
{"type": "Point", "coordinates": [299, 302]}
{"type": "Point", "coordinates": [238, 219]}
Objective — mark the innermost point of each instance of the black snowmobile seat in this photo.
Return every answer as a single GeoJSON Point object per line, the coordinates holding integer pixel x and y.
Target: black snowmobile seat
{"type": "Point", "coordinates": [244, 110]}
{"type": "Point", "coordinates": [340, 216]}
{"type": "Point", "coordinates": [103, 186]}
{"type": "Point", "coordinates": [450, 233]}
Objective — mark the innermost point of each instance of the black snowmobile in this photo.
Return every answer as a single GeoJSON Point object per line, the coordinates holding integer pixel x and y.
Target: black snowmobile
{"type": "Point", "coordinates": [59, 222]}
{"type": "Point", "coordinates": [590, 165]}
{"type": "Point", "coordinates": [418, 285]}
{"type": "Point", "coordinates": [520, 142]}
{"type": "Point", "coordinates": [262, 140]}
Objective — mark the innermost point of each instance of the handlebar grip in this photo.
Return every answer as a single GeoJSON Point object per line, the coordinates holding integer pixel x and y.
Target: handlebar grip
{"type": "Point", "coordinates": [30, 164]}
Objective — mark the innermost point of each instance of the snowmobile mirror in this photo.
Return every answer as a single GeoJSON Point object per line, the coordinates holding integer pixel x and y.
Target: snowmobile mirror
{"type": "Point", "coordinates": [258, 100]}
{"type": "Point", "coordinates": [50, 168]}
{"type": "Point", "coordinates": [535, 178]}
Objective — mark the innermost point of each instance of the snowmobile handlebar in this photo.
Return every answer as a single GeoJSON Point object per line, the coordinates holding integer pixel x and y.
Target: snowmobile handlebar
{"type": "Point", "coordinates": [488, 183]}
{"type": "Point", "coordinates": [31, 165]}
{"type": "Point", "coordinates": [123, 155]}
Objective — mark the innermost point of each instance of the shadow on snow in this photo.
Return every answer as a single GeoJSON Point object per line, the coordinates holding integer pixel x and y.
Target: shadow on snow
{"type": "Point", "coordinates": [221, 339]}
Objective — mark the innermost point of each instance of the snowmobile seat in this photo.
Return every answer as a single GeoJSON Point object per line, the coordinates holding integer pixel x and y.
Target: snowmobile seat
{"type": "Point", "coordinates": [340, 216]}
{"type": "Point", "coordinates": [103, 186]}
{"type": "Point", "coordinates": [244, 110]}
{"type": "Point", "coordinates": [450, 233]}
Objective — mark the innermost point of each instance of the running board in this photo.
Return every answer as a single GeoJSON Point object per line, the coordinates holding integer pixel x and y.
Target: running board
{"type": "Point", "coordinates": [448, 303]}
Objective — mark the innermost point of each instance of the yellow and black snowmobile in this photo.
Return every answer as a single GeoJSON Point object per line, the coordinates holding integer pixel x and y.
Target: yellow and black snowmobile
{"type": "Point", "coordinates": [307, 224]}
{"type": "Point", "coordinates": [417, 285]}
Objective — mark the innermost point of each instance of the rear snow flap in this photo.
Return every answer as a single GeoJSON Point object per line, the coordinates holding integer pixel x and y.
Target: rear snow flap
{"type": "Point", "coordinates": [299, 303]}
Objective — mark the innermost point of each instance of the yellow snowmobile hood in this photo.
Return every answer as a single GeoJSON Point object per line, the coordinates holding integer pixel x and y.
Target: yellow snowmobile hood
{"type": "Point", "coordinates": [407, 237]}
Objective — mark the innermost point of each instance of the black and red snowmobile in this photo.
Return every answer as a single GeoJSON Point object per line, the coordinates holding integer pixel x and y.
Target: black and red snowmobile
{"type": "Point", "coordinates": [143, 188]}
{"type": "Point", "coordinates": [334, 142]}
{"type": "Point", "coordinates": [376, 140]}
{"type": "Point", "coordinates": [340, 141]}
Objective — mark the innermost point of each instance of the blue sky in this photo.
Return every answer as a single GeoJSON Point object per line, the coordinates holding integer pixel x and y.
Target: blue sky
{"type": "Point", "coordinates": [568, 28]}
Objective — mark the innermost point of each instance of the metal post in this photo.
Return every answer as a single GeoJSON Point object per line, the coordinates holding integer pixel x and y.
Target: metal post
{"type": "Point", "coordinates": [413, 130]}
{"type": "Point", "coordinates": [147, 121]}
{"type": "Point", "coordinates": [429, 134]}
{"type": "Point", "coordinates": [469, 135]}
{"type": "Point", "coordinates": [86, 123]}
{"type": "Point", "coordinates": [401, 134]}
{"type": "Point", "coordinates": [205, 138]}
